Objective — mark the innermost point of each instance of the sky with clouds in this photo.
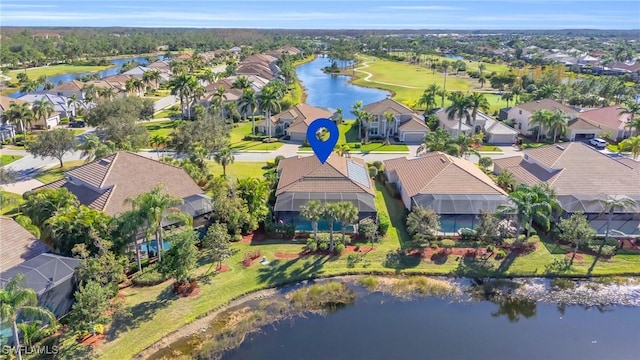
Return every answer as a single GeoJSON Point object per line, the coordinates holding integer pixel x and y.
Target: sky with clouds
{"type": "Point", "coordinates": [327, 14]}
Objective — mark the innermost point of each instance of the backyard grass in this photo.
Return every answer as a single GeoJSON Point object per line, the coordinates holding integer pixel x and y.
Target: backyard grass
{"type": "Point", "coordinates": [9, 202]}
{"type": "Point", "coordinates": [243, 129]}
{"type": "Point", "coordinates": [166, 113]}
{"type": "Point", "coordinates": [53, 70]}
{"type": "Point", "coordinates": [56, 173]}
{"type": "Point", "coordinates": [239, 169]}
{"type": "Point", "coordinates": [8, 159]}
{"type": "Point", "coordinates": [154, 312]}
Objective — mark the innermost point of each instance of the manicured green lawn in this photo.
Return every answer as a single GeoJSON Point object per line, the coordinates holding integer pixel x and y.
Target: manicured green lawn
{"type": "Point", "coordinates": [9, 202]}
{"type": "Point", "coordinates": [57, 172]}
{"type": "Point", "coordinates": [55, 70]}
{"type": "Point", "coordinates": [166, 113]}
{"type": "Point", "coordinates": [8, 159]}
{"type": "Point", "coordinates": [243, 129]}
{"type": "Point", "coordinates": [239, 169]}
{"type": "Point", "coordinates": [349, 135]}
{"type": "Point", "coordinates": [408, 82]}
{"type": "Point", "coordinates": [162, 128]}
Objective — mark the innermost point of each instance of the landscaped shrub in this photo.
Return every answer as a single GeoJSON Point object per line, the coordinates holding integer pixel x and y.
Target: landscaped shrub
{"type": "Point", "coordinates": [148, 277]}
{"type": "Point", "coordinates": [607, 250]}
{"type": "Point", "coordinates": [270, 140]}
{"type": "Point", "coordinates": [490, 248]}
{"type": "Point", "coordinates": [64, 120]}
{"type": "Point", "coordinates": [311, 245]}
{"type": "Point", "coordinates": [383, 223]}
{"type": "Point", "coordinates": [277, 159]}
{"type": "Point", "coordinates": [339, 248]}
{"type": "Point", "coordinates": [250, 257]}
{"type": "Point", "coordinates": [501, 254]}
{"type": "Point", "coordinates": [236, 237]}
{"type": "Point", "coordinates": [283, 231]}
{"type": "Point", "coordinates": [468, 235]}
{"type": "Point", "coordinates": [323, 242]}
{"type": "Point", "coordinates": [447, 243]}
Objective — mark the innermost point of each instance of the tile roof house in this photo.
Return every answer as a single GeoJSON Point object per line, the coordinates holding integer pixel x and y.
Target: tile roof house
{"type": "Point", "coordinates": [610, 120]}
{"type": "Point", "coordinates": [17, 244]}
{"type": "Point", "coordinates": [407, 125]}
{"type": "Point", "coordinates": [447, 184]}
{"type": "Point", "coordinates": [67, 89]}
{"type": "Point", "coordinates": [303, 179]}
{"type": "Point", "coordinates": [295, 121]}
{"type": "Point", "coordinates": [50, 122]}
{"type": "Point", "coordinates": [61, 104]}
{"type": "Point", "coordinates": [578, 173]}
{"type": "Point", "coordinates": [107, 183]}
{"type": "Point", "coordinates": [51, 276]}
{"type": "Point", "coordinates": [519, 114]}
{"type": "Point", "coordinates": [579, 129]}
{"type": "Point", "coordinates": [496, 132]}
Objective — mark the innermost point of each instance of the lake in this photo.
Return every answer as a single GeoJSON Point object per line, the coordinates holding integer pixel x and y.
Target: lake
{"type": "Point", "coordinates": [383, 327]}
{"type": "Point", "coordinates": [119, 62]}
{"type": "Point", "coordinates": [333, 91]}
{"type": "Point", "coordinates": [595, 321]}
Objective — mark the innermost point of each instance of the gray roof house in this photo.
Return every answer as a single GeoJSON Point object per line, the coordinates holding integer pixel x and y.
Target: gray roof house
{"type": "Point", "coordinates": [495, 131]}
{"type": "Point", "coordinates": [61, 104]}
{"type": "Point", "coordinates": [407, 126]}
{"type": "Point", "coordinates": [17, 244]}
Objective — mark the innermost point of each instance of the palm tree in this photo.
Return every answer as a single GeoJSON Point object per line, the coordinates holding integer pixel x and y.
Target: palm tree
{"type": "Point", "coordinates": [459, 108]}
{"type": "Point", "coordinates": [438, 140]}
{"type": "Point", "coordinates": [249, 104]}
{"type": "Point", "coordinates": [157, 205]}
{"type": "Point", "coordinates": [507, 96]}
{"type": "Point", "coordinates": [609, 205]}
{"type": "Point", "coordinates": [631, 144]}
{"type": "Point", "coordinates": [477, 101]}
{"type": "Point", "coordinates": [16, 301]}
{"type": "Point", "coordinates": [331, 211]}
{"type": "Point", "coordinates": [558, 123]}
{"type": "Point", "coordinates": [546, 92]}
{"type": "Point", "coordinates": [540, 118]}
{"type": "Point", "coordinates": [535, 203]}
{"type": "Point", "coordinates": [196, 94]}
{"type": "Point", "coordinates": [389, 119]}
{"type": "Point", "coordinates": [428, 98]}
{"type": "Point", "coordinates": [89, 92]}
{"type": "Point", "coordinates": [218, 98]}
{"type": "Point", "coordinates": [464, 143]}
{"type": "Point", "coordinates": [482, 80]}
{"type": "Point", "coordinates": [347, 214]}
{"type": "Point", "coordinates": [506, 181]}
{"type": "Point", "coordinates": [180, 86]}
{"type": "Point", "coordinates": [356, 110]}
{"type": "Point", "coordinates": [444, 66]}
{"type": "Point", "coordinates": [242, 82]}
{"type": "Point", "coordinates": [366, 118]}
{"type": "Point", "coordinates": [481, 68]}
{"type": "Point", "coordinates": [516, 91]}
{"type": "Point", "coordinates": [224, 157]}
{"type": "Point", "coordinates": [208, 76]}
{"type": "Point", "coordinates": [22, 112]}
{"type": "Point", "coordinates": [130, 85]}
{"type": "Point", "coordinates": [72, 102]}
{"type": "Point", "coordinates": [42, 109]}
{"type": "Point", "coordinates": [106, 93]}
{"type": "Point", "coordinates": [157, 141]}
{"type": "Point", "coordinates": [269, 103]}
{"type": "Point", "coordinates": [29, 86]}
{"type": "Point", "coordinates": [129, 224]}
{"type": "Point", "coordinates": [314, 212]}
{"type": "Point", "coordinates": [632, 109]}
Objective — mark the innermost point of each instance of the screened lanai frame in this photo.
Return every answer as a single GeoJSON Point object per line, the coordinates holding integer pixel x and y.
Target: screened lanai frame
{"type": "Point", "coordinates": [590, 204]}
{"type": "Point", "coordinates": [460, 204]}
{"type": "Point", "coordinates": [292, 201]}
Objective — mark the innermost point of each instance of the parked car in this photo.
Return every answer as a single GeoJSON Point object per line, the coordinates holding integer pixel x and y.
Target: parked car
{"type": "Point", "coordinates": [598, 143]}
{"type": "Point", "coordinates": [77, 124]}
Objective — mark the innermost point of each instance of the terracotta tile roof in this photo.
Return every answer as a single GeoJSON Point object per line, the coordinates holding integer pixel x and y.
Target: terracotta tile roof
{"type": "Point", "coordinates": [125, 175]}
{"type": "Point", "coordinates": [580, 170]}
{"type": "Point", "coordinates": [415, 124]}
{"type": "Point", "coordinates": [5, 102]}
{"type": "Point", "coordinates": [337, 174]}
{"type": "Point", "coordinates": [384, 105]}
{"type": "Point", "coordinates": [608, 116]}
{"type": "Point", "coordinates": [17, 244]}
{"type": "Point", "coordinates": [547, 104]}
{"type": "Point", "coordinates": [73, 85]}
{"type": "Point", "coordinates": [302, 115]}
{"type": "Point", "coordinates": [439, 173]}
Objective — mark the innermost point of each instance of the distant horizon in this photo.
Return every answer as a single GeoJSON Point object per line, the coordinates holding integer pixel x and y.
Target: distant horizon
{"type": "Point", "coordinates": [452, 15]}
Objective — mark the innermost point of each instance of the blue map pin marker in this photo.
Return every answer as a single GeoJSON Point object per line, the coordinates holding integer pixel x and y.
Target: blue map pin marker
{"type": "Point", "coordinates": [322, 149]}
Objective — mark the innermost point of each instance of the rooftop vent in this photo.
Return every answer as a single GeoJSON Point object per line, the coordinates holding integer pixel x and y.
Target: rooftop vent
{"type": "Point", "coordinates": [443, 160]}
{"type": "Point", "coordinates": [559, 147]}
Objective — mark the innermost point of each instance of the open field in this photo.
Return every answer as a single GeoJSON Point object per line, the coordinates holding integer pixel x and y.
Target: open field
{"type": "Point", "coordinates": [53, 70]}
{"type": "Point", "coordinates": [56, 172]}
{"type": "Point", "coordinates": [156, 312]}
{"type": "Point", "coordinates": [8, 159]}
{"type": "Point", "coordinates": [408, 82]}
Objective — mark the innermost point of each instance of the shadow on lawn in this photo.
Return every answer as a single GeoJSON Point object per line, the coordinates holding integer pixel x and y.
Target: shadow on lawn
{"type": "Point", "coordinates": [397, 213]}
{"type": "Point", "coordinates": [277, 272]}
{"type": "Point", "coordinates": [130, 318]}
